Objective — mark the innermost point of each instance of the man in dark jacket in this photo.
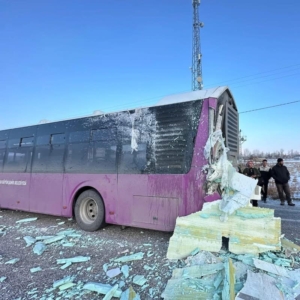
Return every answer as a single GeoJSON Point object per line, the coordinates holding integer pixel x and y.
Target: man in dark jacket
{"type": "Point", "coordinates": [252, 172]}
{"type": "Point", "coordinates": [282, 176]}
{"type": "Point", "coordinates": [265, 172]}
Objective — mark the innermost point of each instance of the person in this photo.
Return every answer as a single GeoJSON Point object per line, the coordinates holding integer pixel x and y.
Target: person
{"type": "Point", "coordinates": [266, 174]}
{"type": "Point", "coordinates": [252, 172]}
{"type": "Point", "coordinates": [281, 176]}
{"type": "Point", "coordinates": [239, 169]}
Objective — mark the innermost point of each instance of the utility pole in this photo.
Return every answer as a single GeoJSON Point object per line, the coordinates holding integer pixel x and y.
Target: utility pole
{"type": "Point", "coordinates": [242, 139]}
{"type": "Point", "coordinates": [197, 82]}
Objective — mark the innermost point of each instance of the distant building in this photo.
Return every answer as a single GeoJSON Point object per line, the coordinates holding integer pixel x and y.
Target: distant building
{"type": "Point", "coordinates": [297, 157]}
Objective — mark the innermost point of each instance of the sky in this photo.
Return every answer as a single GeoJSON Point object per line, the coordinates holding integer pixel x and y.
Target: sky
{"type": "Point", "coordinates": [66, 59]}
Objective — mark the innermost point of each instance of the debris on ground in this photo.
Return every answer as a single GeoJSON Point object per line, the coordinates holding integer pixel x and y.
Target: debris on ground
{"type": "Point", "coordinates": [118, 282]}
{"type": "Point", "coordinates": [39, 248]}
{"type": "Point", "coordinates": [130, 294]}
{"type": "Point", "coordinates": [232, 250]}
{"type": "Point", "coordinates": [125, 270]}
{"type": "Point", "coordinates": [37, 269]}
{"type": "Point", "coordinates": [12, 261]}
{"type": "Point", "coordinates": [113, 272]}
{"type": "Point", "coordinates": [26, 220]}
{"type": "Point", "coordinates": [101, 288]}
{"type": "Point", "coordinates": [29, 240]}
{"type": "Point", "coordinates": [248, 230]}
{"type": "Point", "coordinates": [2, 230]}
{"type": "Point", "coordinates": [136, 256]}
{"type": "Point", "coordinates": [225, 275]}
{"type": "Point", "coordinates": [139, 280]}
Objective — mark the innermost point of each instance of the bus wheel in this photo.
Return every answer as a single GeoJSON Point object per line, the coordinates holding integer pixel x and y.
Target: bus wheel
{"type": "Point", "coordinates": [89, 211]}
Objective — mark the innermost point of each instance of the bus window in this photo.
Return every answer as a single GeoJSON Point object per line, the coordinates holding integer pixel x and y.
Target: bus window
{"type": "Point", "coordinates": [132, 162]}
{"type": "Point", "coordinates": [14, 143]}
{"type": "Point", "coordinates": [58, 138]}
{"type": "Point", "coordinates": [104, 134]}
{"type": "Point", "coordinates": [43, 140]}
{"type": "Point", "coordinates": [104, 157]}
{"type": "Point", "coordinates": [27, 142]}
{"type": "Point", "coordinates": [2, 153]}
{"type": "Point", "coordinates": [49, 158]}
{"type": "Point", "coordinates": [77, 158]}
{"type": "Point", "coordinates": [96, 156]}
{"type": "Point", "coordinates": [2, 144]}
{"type": "Point", "coordinates": [18, 155]}
{"type": "Point", "coordinates": [79, 136]}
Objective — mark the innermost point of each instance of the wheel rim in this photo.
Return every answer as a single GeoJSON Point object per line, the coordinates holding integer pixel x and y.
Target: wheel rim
{"type": "Point", "coordinates": [88, 210]}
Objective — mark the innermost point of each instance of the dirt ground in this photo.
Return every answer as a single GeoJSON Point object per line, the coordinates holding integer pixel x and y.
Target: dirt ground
{"type": "Point", "coordinates": [101, 246]}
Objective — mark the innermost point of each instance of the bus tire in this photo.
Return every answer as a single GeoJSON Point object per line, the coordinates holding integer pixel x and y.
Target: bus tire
{"type": "Point", "coordinates": [89, 211]}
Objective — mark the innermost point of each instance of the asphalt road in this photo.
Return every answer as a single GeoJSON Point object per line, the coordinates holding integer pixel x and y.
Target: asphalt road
{"type": "Point", "coordinates": [290, 221]}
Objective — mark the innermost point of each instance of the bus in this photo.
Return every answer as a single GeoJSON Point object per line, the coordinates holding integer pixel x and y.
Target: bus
{"type": "Point", "coordinates": [140, 167]}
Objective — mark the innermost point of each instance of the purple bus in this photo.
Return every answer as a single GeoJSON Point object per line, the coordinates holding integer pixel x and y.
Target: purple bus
{"type": "Point", "coordinates": [140, 167]}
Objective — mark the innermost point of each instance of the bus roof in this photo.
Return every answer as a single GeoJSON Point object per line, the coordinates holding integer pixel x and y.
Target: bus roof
{"type": "Point", "coordinates": [174, 98]}
{"type": "Point", "coordinates": [195, 95]}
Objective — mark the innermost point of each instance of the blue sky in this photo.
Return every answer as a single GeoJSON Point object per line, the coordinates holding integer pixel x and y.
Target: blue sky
{"type": "Point", "coordinates": [68, 58]}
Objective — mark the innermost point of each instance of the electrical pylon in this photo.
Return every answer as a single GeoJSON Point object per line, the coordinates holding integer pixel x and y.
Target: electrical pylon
{"type": "Point", "coordinates": [197, 82]}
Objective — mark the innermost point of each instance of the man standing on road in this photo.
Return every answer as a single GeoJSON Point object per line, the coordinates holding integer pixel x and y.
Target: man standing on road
{"type": "Point", "coordinates": [265, 172]}
{"type": "Point", "coordinates": [282, 176]}
{"type": "Point", "coordinates": [252, 172]}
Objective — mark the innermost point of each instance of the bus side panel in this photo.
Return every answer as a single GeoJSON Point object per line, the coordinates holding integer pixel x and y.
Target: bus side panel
{"type": "Point", "coordinates": [105, 184]}
{"type": "Point", "coordinates": [128, 186]}
{"type": "Point", "coordinates": [14, 190]}
{"type": "Point", "coordinates": [170, 204]}
{"type": "Point", "coordinates": [46, 193]}
{"type": "Point", "coordinates": [149, 201]}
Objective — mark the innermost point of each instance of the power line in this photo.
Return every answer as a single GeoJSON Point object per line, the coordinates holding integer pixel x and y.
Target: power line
{"type": "Point", "coordinates": [260, 77]}
{"type": "Point", "coordinates": [145, 101]}
{"type": "Point", "coordinates": [247, 76]}
{"type": "Point", "coordinates": [266, 80]}
{"type": "Point", "coordinates": [267, 107]}
{"type": "Point", "coordinates": [129, 105]}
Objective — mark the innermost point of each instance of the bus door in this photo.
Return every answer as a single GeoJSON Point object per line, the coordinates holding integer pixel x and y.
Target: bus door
{"type": "Point", "coordinates": [47, 174]}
